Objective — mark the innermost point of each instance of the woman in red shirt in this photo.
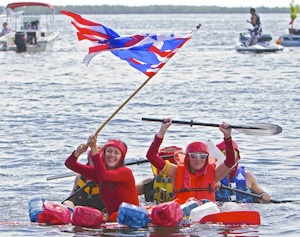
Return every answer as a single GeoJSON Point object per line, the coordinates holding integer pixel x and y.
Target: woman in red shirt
{"type": "Point", "coordinates": [197, 174]}
{"type": "Point", "coordinates": [116, 181]}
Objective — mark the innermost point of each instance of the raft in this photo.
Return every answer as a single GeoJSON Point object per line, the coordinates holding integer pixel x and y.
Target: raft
{"type": "Point", "coordinates": [168, 214]}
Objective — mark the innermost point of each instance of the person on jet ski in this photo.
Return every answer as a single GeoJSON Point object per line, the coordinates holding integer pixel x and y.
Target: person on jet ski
{"type": "Point", "coordinates": [255, 21]}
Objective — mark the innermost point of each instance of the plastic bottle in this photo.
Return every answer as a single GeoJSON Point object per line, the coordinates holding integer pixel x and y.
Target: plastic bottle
{"type": "Point", "coordinates": [35, 207]}
{"type": "Point", "coordinates": [54, 213]}
{"type": "Point", "coordinates": [188, 206]}
{"type": "Point", "coordinates": [87, 217]}
{"type": "Point", "coordinates": [132, 215]}
{"type": "Point", "coordinates": [230, 206]}
{"type": "Point", "coordinates": [206, 209]}
{"type": "Point", "coordinates": [167, 214]}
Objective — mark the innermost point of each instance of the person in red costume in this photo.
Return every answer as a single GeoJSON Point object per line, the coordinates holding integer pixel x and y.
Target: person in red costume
{"type": "Point", "coordinates": [197, 174]}
{"type": "Point", "coordinates": [116, 181]}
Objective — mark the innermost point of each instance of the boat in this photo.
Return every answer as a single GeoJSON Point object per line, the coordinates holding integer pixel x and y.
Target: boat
{"type": "Point", "coordinates": [261, 44]}
{"type": "Point", "coordinates": [30, 33]}
{"type": "Point", "coordinates": [290, 40]}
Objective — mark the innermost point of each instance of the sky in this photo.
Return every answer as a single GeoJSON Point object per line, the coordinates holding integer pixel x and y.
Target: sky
{"type": "Point", "coordinates": [221, 3]}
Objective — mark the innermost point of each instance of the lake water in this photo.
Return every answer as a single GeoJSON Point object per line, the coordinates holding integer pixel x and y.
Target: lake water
{"type": "Point", "coordinates": [51, 102]}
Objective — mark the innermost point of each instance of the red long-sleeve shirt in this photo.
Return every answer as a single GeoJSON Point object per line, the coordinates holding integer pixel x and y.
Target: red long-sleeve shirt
{"type": "Point", "coordinates": [116, 186]}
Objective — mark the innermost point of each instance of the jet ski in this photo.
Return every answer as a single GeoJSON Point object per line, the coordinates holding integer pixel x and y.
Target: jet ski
{"type": "Point", "coordinates": [261, 43]}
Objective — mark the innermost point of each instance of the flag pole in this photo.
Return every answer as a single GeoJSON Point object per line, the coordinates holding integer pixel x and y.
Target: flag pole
{"type": "Point", "coordinates": [124, 103]}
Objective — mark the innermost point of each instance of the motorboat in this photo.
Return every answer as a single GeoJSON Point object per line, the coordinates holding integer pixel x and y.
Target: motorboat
{"type": "Point", "coordinates": [30, 33]}
{"type": "Point", "coordinates": [261, 43]}
{"type": "Point", "coordinates": [290, 40]}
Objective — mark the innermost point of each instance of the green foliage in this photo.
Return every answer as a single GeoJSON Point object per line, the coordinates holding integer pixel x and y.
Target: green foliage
{"type": "Point", "coordinates": [152, 9]}
{"type": "Point", "coordinates": [293, 10]}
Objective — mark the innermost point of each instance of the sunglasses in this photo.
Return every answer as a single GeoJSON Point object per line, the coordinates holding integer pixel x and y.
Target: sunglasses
{"type": "Point", "coordinates": [197, 156]}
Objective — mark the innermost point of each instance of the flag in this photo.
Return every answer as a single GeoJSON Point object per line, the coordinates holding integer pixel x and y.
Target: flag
{"type": "Point", "coordinates": [147, 53]}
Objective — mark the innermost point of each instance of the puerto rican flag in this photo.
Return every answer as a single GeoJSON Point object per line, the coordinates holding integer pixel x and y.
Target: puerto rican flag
{"type": "Point", "coordinates": [147, 53]}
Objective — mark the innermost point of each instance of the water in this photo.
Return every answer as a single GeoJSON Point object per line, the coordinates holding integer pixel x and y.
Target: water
{"type": "Point", "coordinates": [51, 102]}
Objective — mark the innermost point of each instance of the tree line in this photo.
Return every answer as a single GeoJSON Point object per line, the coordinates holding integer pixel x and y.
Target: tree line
{"type": "Point", "coordinates": [152, 9]}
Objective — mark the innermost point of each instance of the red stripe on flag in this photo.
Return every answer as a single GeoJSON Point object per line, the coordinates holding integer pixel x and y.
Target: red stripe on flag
{"type": "Point", "coordinates": [98, 48]}
{"type": "Point", "coordinates": [80, 20]}
{"type": "Point", "coordinates": [87, 31]}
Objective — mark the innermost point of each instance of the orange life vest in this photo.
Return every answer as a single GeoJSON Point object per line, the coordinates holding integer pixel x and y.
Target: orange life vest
{"type": "Point", "coordinates": [200, 186]}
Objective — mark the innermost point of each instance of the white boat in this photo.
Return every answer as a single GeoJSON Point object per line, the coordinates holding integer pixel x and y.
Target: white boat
{"type": "Point", "coordinates": [261, 44]}
{"type": "Point", "coordinates": [290, 40]}
{"type": "Point", "coordinates": [30, 33]}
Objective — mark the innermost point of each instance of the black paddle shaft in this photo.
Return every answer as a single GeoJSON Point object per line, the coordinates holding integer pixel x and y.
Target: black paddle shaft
{"type": "Point", "coordinates": [252, 194]}
{"type": "Point", "coordinates": [88, 183]}
{"type": "Point", "coordinates": [192, 123]}
{"type": "Point", "coordinates": [263, 129]}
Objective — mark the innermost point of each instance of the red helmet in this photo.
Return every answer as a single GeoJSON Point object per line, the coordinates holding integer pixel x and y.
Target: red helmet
{"type": "Point", "coordinates": [222, 146]}
{"type": "Point", "coordinates": [118, 144]}
{"type": "Point", "coordinates": [169, 150]}
{"type": "Point", "coordinates": [197, 147]}
{"type": "Point", "coordinates": [89, 155]}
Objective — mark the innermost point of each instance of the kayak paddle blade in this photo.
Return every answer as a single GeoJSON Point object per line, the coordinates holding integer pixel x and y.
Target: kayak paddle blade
{"type": "Point", "coordinates": [233, 218]}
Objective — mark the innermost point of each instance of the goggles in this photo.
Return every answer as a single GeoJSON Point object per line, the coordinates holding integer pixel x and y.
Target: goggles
{"type": "Point", "coordinates": [197, 156]}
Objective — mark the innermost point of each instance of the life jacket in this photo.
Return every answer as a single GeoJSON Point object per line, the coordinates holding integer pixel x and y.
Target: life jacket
{"type": "Point", "coordinates": [239, 182]}
{"type": "Point", "coordinates": [89, 196]}
{"type": "Point", "coordinates": [199, 186]}
{"type": "Point", "coordinates": [257, 25]}
{"type": "Point", "coordinates": [161, 188]}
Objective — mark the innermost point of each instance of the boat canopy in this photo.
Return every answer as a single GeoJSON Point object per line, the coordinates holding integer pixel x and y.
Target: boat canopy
{"type": "Point", "coordinates": [29, 4]}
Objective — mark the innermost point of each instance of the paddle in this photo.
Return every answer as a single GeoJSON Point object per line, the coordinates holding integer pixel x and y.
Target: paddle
{"type": "Point", "coordinates": [252, 194]}
{"type": "Point", "coordinates": [264, 129]}
{"type": "Point", "coordinates": [78, 190]}
{"type": "Point", "coordinates": [136, 162]}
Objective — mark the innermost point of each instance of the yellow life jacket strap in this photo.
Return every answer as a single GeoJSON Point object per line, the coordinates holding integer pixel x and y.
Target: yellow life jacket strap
{"type": "Point", "coordinates": [167, 168]}
{"type": "Point", "coordinates": [95, 190]}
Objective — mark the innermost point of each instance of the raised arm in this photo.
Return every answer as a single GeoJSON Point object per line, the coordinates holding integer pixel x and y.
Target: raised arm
{"type": "Point", "coordinates": [230, 160]}
{"type": "Point", "coordinates": [72, 163]}
{"type": "Point", "coordinates": [152, 154]}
